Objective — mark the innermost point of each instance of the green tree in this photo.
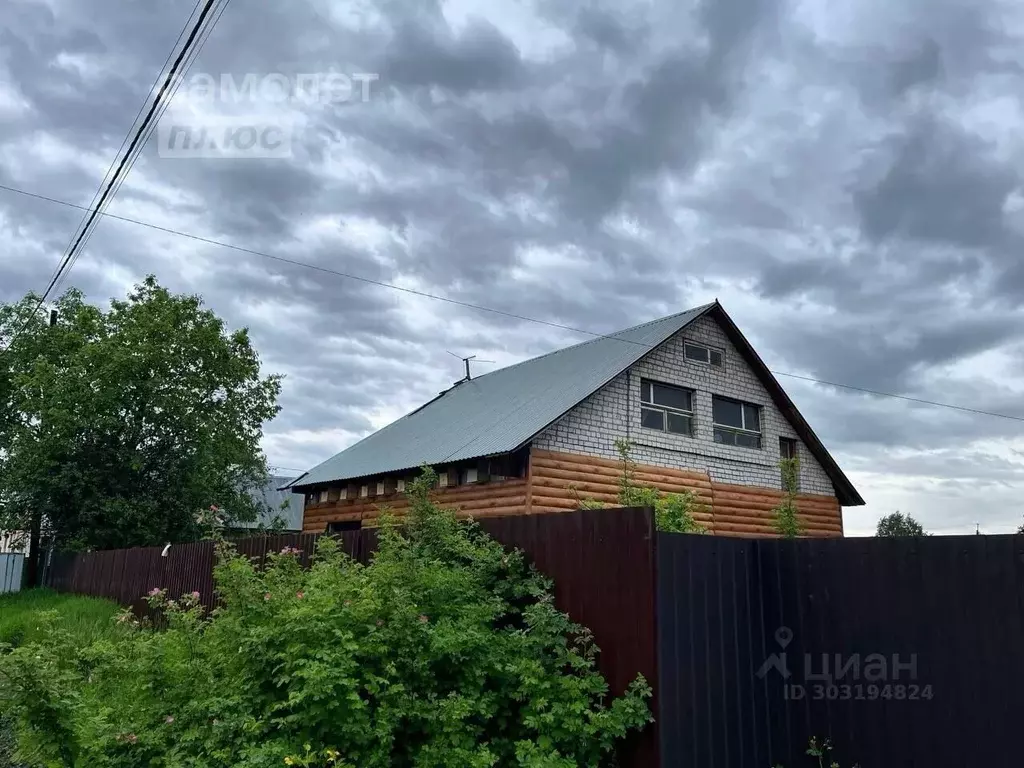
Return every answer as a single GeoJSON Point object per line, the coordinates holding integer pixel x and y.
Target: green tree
{"type": "Point", "coordinates": [898, 524]}
{"type": "Point", "coordinates": [118, 426]}
{"type": "Point", "coordinates": [787, 522]}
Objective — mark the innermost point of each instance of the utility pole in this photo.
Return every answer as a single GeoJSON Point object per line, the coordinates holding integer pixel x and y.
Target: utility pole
{"type": "Point", "coordinates": [35, 530]}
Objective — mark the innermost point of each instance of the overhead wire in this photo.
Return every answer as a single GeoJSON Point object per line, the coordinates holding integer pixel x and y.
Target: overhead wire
{"type": "Point", "coordinates": [213, 10]}
{"type": "Point", "coordinates": [111, 183]}
{"type": "Point", "coordinates": [483, 308]}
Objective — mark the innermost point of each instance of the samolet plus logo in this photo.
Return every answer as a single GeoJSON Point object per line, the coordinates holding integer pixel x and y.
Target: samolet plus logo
{"type": "Point", "coordinates": [778, 661]}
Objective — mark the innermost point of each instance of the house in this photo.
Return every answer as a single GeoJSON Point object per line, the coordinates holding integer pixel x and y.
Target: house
{"type": "Point", "coordinates": [281, 507]}
{"type": "Point", "coordinates": [700, 408]}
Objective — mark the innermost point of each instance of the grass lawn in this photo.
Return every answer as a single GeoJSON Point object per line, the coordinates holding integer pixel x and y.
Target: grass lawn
{"type": "Point", "coordinates": [86, 617]}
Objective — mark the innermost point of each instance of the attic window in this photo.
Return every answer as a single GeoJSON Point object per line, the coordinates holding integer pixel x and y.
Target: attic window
{"type": "Point", "coordinates": [364, 491]}
{"type": "Point", "coordinates": [666, 408]}
{"type": "Point", "coordinates": [400, 486]}
{"type": "Point", "coordinates": [699, 353]}
{"type": "Point", "coordinates": [380, 487]}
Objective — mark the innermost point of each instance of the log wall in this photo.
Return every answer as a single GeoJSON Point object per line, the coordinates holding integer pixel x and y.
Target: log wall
{"type": "Point", "coordinates": [495, 499]}
{"type": "Point", "coordinates": [559, 480]}
{"type": "Point", "coordinates": [556, 482]}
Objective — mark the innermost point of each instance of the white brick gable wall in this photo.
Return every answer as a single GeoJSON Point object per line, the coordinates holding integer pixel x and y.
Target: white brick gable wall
{"type": "Point", "coordinates": [592, 427]}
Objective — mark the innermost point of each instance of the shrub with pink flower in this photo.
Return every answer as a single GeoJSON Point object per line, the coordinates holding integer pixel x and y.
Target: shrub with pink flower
{"type": "Point", "coordinates": [444, 635]}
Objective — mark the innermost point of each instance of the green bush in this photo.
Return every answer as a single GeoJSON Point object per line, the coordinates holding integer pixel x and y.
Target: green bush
{"type": "Point", "coordinates": [822, 753]}
{"type": "Point", "coordinates": [673, 512]}
{"type": "Point", "coordinates": [786, 521]}
{"type": "Point", "coordinates": [445, 651]}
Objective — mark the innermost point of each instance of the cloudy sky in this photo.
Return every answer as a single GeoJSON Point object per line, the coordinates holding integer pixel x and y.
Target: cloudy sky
{"type": "Point", "coordinates": [847, 180]}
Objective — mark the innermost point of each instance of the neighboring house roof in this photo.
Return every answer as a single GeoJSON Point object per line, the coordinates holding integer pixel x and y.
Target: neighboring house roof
{"type": "Point", "coordinates": [501, 411]}
{"type": "Point", "coordinates": [274, 494]}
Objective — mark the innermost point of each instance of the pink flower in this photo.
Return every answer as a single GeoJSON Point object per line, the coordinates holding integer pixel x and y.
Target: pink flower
{"type": "Point", "coordinates": [299, 595]}
{"type": "Point", "coordinates": [266, 596]}
{"type": "Point", "coordinates": [423, 619]}
{"type": "Point", "coordinates": [214, 508]}
{"type": "Point", "coordinates": [154, 592]}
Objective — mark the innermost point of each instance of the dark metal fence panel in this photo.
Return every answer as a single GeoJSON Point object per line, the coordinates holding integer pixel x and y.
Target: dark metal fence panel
{"type": "Point", "coordinates": [902, 651]}
{"type": "Point", "coordinates": [602, 565]}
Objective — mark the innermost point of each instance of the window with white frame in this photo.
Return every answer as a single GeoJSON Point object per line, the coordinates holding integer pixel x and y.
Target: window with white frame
{"type": "Point", "coordinates": [666, 408]}
{"type": "Point", "coordinates": [700, 353]}
{"type": "Point", "coordinates": [736, 422]}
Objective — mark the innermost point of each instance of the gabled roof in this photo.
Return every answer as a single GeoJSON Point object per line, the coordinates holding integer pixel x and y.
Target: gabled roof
{"type": "Point", "coordinates": [501, 411]}
{"type": "Point", "coordinates": [498, 411]}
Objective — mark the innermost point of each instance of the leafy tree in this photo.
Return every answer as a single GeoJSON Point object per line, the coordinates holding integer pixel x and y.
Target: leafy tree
{"type": "Point", "coordinates": [898, 524]}
{"type": "Point", "coordinates": [445, 651]}
{"type": "Point", "coordinates": [787, 523]}
{"type": "Point", "coordinates": [117, 426]}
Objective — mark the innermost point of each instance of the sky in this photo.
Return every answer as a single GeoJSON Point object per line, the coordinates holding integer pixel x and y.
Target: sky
{"type": "Point", "coordinates": [846, 180]}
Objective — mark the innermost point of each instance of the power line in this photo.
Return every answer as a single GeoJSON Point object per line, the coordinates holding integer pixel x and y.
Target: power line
{"type": "Point", "coordinates": [154, 118]}
{"type": "Point", "coordinates": [138, 142]}
{"type": "Point", "coordinates": [127, 136]}
{"type": "Point", "coordinates": [482, 308]}
{"type": "Point", "coordinates": [142, 134]}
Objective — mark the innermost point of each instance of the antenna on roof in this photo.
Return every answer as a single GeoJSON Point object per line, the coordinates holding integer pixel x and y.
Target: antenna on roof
{"type": "Point", "coordinates": [466, 360]}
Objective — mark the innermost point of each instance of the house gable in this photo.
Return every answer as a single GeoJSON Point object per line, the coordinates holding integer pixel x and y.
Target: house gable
{"type": "Point", "coordinates": [612, 412]}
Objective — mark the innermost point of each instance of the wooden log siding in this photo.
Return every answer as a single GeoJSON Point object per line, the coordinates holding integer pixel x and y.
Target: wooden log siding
{"type": "Point", "coordinates": [492, 499]}
{"type": "Point", "coordinates": [556, 482]}
{"type": "Point", "coordinates": [559, 480]}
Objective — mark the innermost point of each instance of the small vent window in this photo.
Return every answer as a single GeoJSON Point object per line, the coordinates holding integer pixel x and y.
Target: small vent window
{"type": "Point", "coordinates": [699, 353]}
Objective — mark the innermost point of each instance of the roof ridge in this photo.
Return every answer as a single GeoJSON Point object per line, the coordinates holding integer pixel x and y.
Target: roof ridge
{"type": "Point", "coordinates": [599, 337]}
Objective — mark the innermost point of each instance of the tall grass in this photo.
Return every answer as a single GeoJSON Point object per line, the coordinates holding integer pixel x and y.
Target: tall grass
{"type": "Point", "coordinates": [87, 618]}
